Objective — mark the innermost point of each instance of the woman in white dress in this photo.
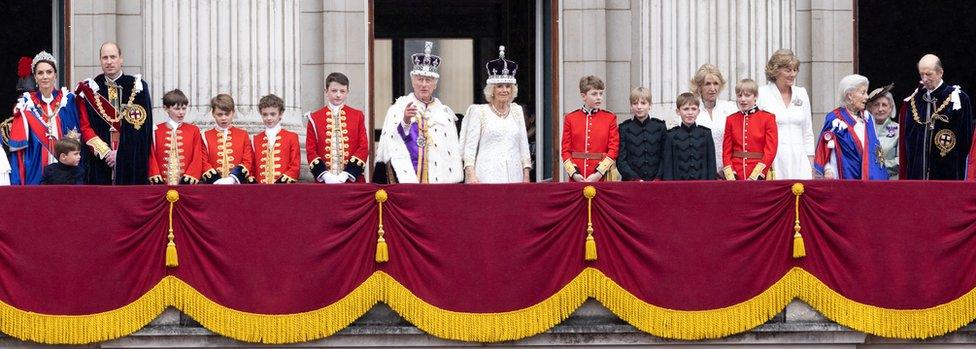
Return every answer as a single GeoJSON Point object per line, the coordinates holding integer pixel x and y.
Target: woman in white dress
{"type": "Point", "coordinates": [494, 142]}
{"type": "Point", "coordinates": [791, 105]}
{"type": "Point", "coordinates": [707, 84]}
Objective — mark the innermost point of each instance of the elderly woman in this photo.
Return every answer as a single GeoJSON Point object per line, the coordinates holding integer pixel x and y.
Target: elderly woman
{"type": "Point", "coordinates": [848, 147]}
{"type": "Point", "coordinates": [41, 118]}
{"type": "Point", "coordinates": [791, 105]}
{"type": "Point", "coordinates": [708, 84]}
{"type": "Point", "coordinates": [494, 142]}
{"type": "Point", "coordinates": [881, 104]}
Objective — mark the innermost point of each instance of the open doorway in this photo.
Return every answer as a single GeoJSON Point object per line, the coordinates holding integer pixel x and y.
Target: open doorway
{"type": "Point", "coordinates": [466, 34]}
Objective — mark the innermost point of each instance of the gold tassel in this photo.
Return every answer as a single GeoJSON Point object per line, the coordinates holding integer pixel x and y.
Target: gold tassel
{"type": "Point", "coordinates": [589, 193]}
{"type": "Point", "coordinates": [799, 250]}
{"type": "Point", "coordinates": [172, 259]}
{"type": "Point", "coordinates": [382, 252]}
{"type": "Point", "coordinates": [590, 248]}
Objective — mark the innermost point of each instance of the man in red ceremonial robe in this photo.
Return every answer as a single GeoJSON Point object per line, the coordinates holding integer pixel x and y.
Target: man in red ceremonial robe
{"type": "Point", "coordinates": [177, 155]}
{"type": "Point", "coordinates": [750, 137]}
{"type": "Point", "coordinates": [229, 155]}
{"type": "Point", "coordinates": [335, 144]}
{"type": "Point", "coordinates": [590, 137]}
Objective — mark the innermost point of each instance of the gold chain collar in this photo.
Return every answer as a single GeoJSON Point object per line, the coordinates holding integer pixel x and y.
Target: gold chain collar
{"type": "Point", "coordinates": [936, 112]}
{"type": "Point", "coordinates": [118, 114]}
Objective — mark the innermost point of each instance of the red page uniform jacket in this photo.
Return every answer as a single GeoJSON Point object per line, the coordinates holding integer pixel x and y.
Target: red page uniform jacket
{"type": "Point", "coordinates": [590, 142]}
{"type": "Point", "coordinates": [228, 153]}
{"type": "Point", "coordinates": [277, 160]}
{"type": "Point", "coordinates": [750, 144]}
{"type": "Point", "coordinates": [177, 155]}
{"type": "Point", "coordinates": [336, 142]}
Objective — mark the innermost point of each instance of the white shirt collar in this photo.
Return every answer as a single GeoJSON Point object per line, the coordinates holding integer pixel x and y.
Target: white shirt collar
{"type": "Point", "coordinates": [272, 132]}
{"type": "Point", "coordinates": [117, 77]}
{"type": "Point", "coordinates": [173, 125]}
{"type": "Point", "coordinates": [335, 108]}
{"type": "Point", "coordinates": [928, 92]}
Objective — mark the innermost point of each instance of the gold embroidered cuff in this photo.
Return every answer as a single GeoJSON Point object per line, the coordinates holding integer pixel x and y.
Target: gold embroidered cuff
{"type": "Point", "coordinates": [208, 174]}
{"type": "Point", "coordinates": [286, 179]}
{"type": "Point", "coordinates": [314, 162]}
{"type": "Point", "coordinates": [190, 180]}
{"type": "Point", "coordinates": [99, 147]}
{"type": "Point", "coordinates": [758, 171]}
{"type": "Point", "coordinates": [570, 167]}
{"type": "Point", "coordinates": [157, 179]}
{"type": "Point", "coordinates": [605, 166]}
{"type": "Point", "coordinates": [728, 173]}
{"type": "Point", "coordinates": [357, 161]}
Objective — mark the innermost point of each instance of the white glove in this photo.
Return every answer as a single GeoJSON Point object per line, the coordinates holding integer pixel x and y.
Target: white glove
{"type": "Point", "coordinates": [227, 180]}
{"type": "Point", "coordinates": [330, 178]}
{"type": "Point", "coordinates": [346, 177]}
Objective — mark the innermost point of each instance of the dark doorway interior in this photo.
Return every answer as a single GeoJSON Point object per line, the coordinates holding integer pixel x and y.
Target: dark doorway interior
{"type": "Point", "coordinates": [894, 35]}
{"type": "Point", "coordinates": [488, 23]}
{"type": "Point", "coordinates": [25, 30]}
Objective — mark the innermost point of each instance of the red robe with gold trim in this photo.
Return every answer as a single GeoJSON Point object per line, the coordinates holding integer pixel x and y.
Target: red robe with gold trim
{"type": "Point", "coordinates": [750, 143]}
{"type": "Point", "coordinates": [590, 142]}
{"type": "Point", "coordinates": [277, 163]}
{"type": "Point", "coordinates": [176, 157]}
{"type": "Point", "coordinates": [237, 161]}
{"type": "Point", "coordinates": [336, 143]}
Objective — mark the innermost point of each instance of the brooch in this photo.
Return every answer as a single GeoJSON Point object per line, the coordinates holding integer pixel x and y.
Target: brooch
{"type": "Point", "coordinates": [798, 102]}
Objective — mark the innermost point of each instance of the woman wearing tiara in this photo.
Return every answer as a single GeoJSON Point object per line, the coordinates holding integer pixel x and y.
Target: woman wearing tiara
{"type": "Point", "coordinates": [41, 118]}
{"type": "Point", "coordinates": [494, 142]}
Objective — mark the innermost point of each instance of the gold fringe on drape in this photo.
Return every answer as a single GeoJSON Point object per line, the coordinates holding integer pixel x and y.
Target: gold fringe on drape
{"type": "Point", "coordinates": [488, 327]}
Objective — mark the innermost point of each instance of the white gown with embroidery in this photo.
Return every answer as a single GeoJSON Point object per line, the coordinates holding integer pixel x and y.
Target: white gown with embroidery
{"type": "Point", "coordinates": [498, 148]}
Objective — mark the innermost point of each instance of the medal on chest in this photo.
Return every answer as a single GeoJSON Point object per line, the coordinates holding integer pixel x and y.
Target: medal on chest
{"type": "Point", "coordinates": [945, 141]}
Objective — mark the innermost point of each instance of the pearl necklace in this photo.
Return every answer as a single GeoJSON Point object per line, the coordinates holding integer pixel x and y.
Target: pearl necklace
{"type": "Point", "coordinates": [500, 114]}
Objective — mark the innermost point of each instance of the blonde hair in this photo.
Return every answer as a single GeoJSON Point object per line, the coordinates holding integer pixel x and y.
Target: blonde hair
{"type": "Point", "coordinates": [747, 85]}
{"type": "Point", "coordinates": [780, 59]}
{"type": "Point", "coordinates": [704, 71]}
{"type": "Point", "coordinates": [640, 93]}
{"type": "Point", "coordinates": [687, 98]}
{"type": "Point", "coordinates": [490, 92]}
{"type": "Point", "coordinates": [591, 82]}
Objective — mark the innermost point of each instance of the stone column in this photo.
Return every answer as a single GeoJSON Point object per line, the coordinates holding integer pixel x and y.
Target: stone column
{"type": "Point", "coordinates": [334, 39]}
{"type": "Point", "coordinates": [247, 49]}
{"type": "Point", "coordinates": [826, 51]}
{"type": "Point", "coordinates": [737, 36]}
